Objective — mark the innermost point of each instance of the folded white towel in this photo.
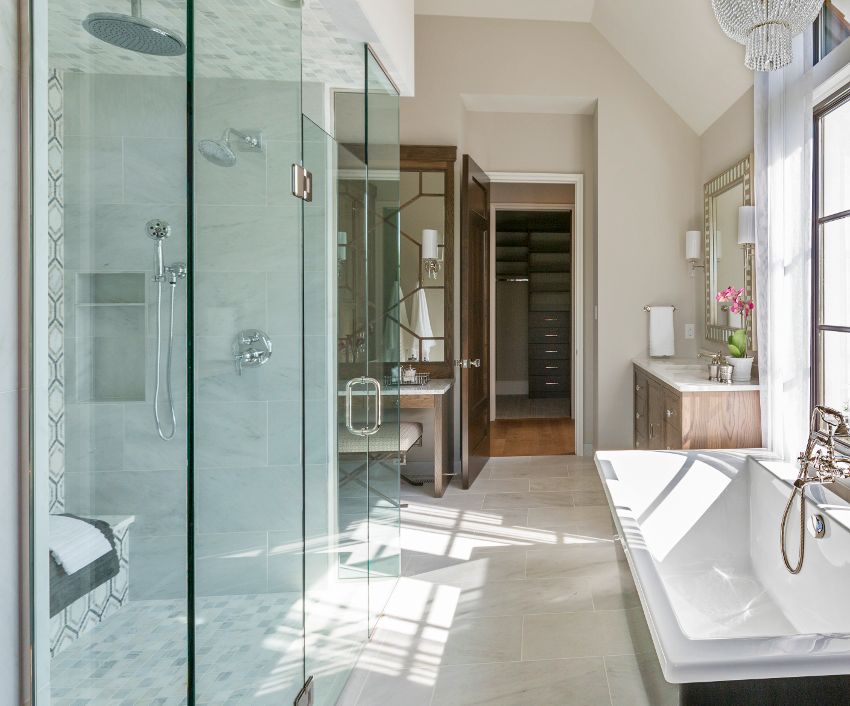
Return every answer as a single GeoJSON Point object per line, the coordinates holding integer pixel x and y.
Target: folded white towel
{"type": "Point", "coordinates": [75, 544]}
{"type": "Point", "coordinates": [661, 332]}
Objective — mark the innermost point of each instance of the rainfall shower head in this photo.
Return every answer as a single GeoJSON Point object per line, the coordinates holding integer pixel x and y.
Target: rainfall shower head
{"type": "Point", "coordinates": [134, 32]}
{"type": "Point", "coordinates": [221, 153]}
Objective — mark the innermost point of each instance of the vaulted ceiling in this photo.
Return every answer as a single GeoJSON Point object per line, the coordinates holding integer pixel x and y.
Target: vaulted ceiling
{"type": "Point", "coordinates": [677, 47]}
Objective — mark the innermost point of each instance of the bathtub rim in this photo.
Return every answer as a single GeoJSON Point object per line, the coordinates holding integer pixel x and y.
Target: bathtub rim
{"type": "Point", "coordinates": [687, 660]}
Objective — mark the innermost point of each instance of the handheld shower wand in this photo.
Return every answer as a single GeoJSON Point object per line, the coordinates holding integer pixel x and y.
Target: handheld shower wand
{"type": "Point", "coordinates": [159, 230]}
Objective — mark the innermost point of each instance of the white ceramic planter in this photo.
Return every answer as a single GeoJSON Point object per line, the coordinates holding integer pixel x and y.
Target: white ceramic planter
{"type": "Point", "coordinates": [742, 368]}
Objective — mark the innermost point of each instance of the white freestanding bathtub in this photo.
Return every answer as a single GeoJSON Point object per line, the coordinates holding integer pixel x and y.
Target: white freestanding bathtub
{"type": "Point", "coordinates": [700, 530]}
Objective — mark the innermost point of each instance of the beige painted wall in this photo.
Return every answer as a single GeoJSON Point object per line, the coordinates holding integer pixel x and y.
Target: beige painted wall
{"type": "Point", "coordinates": [725, 143]}
{"type": "Point", "coordinates": [647, 170]}
{"type": "Point", "coordinates": [533, 193]}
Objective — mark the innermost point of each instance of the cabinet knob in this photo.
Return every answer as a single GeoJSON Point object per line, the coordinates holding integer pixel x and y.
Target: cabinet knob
{"type": "Point", "coordinates": [638, 388]}
{"type": "Point", "coordinates": [637, 444]}
{"type": "Point", "coordinates": [637, 415]}
{"type": "Point", "coordinates": [670, 413]}
{"type": "Point", "coordinates": [668, 448]}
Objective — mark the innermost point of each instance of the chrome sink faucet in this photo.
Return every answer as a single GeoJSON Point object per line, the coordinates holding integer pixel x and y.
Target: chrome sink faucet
{"type": "Point", "coordinates": [820, 464]}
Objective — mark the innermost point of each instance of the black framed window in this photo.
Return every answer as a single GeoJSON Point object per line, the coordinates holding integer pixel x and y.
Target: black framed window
{"type": "Point", "coordinates": [831, 254]}
{"type": "Point", "coordinates": [831, 27]}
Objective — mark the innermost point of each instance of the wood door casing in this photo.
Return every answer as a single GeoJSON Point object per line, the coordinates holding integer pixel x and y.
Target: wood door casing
{"type": "Point", "coordinates": [474, 319]}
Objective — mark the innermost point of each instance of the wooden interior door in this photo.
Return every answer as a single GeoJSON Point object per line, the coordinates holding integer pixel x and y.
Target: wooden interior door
{"type": "Point", "coordinates": [474, 320]}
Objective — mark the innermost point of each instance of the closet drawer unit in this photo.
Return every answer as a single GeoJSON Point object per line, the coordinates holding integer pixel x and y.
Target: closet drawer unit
{"type": "Point", "coordinates": [548, 335]}
{"type": "Point", "coordinates": [551, 351]}
{"type": "Point", "coordinates": [554, 384]}
{"type": "Point", "coordinates": [547, 319]}
{"type": "Point", "coordinates": [537, 366]}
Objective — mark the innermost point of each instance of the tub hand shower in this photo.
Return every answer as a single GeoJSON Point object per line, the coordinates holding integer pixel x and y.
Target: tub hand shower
{"type": "Point", "coordinates": [819, 464]}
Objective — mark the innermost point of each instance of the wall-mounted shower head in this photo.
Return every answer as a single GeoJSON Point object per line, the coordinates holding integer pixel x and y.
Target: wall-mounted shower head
{"type": "Point", "coordinates": [134, 32]}
{"type": "Point", "coordinates": [158, 229]}
{"type": "Point", "coordinates": [221, 152]}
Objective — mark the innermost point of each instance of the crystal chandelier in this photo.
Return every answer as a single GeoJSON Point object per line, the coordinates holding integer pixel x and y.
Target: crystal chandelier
{"type": "Point", "coordinates": [765, 27]}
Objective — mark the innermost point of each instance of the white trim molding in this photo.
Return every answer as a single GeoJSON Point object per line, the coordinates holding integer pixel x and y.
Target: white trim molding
{"type": "Point", "coordinates": [577, 180]}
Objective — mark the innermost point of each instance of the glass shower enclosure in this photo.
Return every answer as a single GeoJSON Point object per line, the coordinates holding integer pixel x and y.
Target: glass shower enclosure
{"type": "Point", "coordinates": [215, 495]}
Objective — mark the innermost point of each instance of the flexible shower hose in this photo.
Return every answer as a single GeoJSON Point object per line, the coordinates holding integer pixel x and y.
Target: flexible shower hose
{"type": "Point", "coordinates": [162, 435]}
{"type": "Point", "coordinates": [797, 486]}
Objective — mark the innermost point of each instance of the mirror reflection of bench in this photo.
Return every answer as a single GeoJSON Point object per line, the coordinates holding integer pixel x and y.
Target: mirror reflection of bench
{"type": "Point", "coordinates": [85, 597]}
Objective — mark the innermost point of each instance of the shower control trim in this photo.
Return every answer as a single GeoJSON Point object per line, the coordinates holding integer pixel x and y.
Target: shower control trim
{"type": "Point", "coordinates": [251, 349]}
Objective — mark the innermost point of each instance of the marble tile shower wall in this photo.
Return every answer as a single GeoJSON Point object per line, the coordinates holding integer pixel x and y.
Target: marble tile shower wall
{"type": "Point", "coordinates": [125, 164]}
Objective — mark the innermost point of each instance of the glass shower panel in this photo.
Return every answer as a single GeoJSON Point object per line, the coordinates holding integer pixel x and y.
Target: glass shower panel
{"type": "Point", "coordinates": [110, 504]}
{"type": "Point", "coordinates": [382, 217]}
{"type": "Point", "coordinates": [248, 372]}
{"type": "Point", "coordinates": [336, 514]}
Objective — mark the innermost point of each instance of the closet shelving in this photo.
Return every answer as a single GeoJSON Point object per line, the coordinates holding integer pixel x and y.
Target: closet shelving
{"type": "Point", "coordinates": [542, 260]}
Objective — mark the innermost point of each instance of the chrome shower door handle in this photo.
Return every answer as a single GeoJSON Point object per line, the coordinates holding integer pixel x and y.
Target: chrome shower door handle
{"type": "Point", "coordinates": [379, 407]}
{"type": "Point", "coordinates": [349, 406]}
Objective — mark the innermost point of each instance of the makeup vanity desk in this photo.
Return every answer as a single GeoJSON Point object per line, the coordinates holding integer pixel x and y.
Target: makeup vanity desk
{"type": "Point", "coordinates": [435, 395]}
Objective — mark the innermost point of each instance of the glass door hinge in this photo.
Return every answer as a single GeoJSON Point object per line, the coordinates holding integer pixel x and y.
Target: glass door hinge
{"type": "Point", "coordinates": [302, 183]}
{"type": "Point", "coordinates": [305, 696]}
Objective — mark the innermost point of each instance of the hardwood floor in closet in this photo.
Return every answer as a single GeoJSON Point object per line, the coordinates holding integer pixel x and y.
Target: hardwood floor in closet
{"type": "Point", "coordinates": [532, 437]}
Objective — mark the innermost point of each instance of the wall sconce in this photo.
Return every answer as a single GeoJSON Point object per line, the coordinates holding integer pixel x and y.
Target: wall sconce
{"type": "Point", "coordinates": [747, 227]}
{"type": "Point", "coordinates": [693, 249]}
{"type": "Point", "coordinates": [430, 253]}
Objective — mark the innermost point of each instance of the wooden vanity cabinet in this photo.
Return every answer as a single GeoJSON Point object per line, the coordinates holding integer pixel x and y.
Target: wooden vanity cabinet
{"type": "Point", "coordinates": [665, 418]}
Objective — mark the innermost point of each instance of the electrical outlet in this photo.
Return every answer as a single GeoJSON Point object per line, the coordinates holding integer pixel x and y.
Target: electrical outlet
{"type": "Point", "coordinates": [690, 331]}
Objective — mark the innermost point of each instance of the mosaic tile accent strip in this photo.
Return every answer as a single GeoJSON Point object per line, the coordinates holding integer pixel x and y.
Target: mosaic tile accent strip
{"type": "Point", "coordinates": [56, 291]}
{"type": "Point", "coordinates": [87, 612]}
{"type": "Point", "coordinates": [227, 34]}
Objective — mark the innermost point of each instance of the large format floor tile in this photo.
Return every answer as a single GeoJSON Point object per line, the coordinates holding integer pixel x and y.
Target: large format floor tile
{"type": "Point", "coordinates": [513, 592]}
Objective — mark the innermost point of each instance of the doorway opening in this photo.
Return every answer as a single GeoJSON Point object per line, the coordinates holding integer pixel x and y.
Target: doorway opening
{"type": "Point", "coordinates": [533, 331]}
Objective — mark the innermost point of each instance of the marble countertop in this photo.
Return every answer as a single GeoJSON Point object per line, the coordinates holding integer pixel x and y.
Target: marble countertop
{"type": "Point", "coordinates": [688, 375]}
{"type": "Point", "coordinates": [432, 387]}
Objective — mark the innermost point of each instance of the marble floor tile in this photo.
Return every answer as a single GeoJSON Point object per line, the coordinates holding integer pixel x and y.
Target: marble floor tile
{"type": "Point", "coordinates": [573, 682]}
{"type": "Point", "coordinates": [550, 517]}
{"type": "Point", "coordinates": [565, 485]}
{"type": "Point", "coordinates": [484, 640]}
{"type": "Point", "coordinates": [523, 597]}
{"type": "Point", "coordinates": [581, 560]}
{"type": "Point", "coordinates": [587, 634]}
{"type": "Point", "coordinates": [637, 680]}
{"type": "Point", "coordinates": [499, 500]}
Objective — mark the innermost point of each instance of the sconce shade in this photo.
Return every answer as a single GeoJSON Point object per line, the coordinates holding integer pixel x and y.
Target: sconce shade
{"type": "Point", "coordinates": [429, 244]}
{"type": "Point", "coordinates": [747, 225]}
{"type": "Point", "coordinates": [693, 245]}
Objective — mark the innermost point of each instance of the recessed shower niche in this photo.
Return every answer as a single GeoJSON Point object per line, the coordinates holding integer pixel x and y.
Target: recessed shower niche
{"type": "Point", "coordinates": [109, 332]}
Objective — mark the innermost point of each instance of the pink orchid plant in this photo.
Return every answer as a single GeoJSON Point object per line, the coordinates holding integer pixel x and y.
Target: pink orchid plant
{"type": "Point", "coordinates": [739, 303]}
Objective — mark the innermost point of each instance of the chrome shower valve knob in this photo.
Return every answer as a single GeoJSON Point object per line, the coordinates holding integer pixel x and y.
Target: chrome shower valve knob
{"type": "Point", "coordinates": [251, 349]}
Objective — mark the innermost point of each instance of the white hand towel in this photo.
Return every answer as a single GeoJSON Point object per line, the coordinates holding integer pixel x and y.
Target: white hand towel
{"type": "Point", "coordinates": [75, 544]}
{"type": "Point", "coordinates": [661, 332]}
{"type": "Point", "coordinates": [407, 341]}
{"type": "Point", "coordinates": [420, 322]}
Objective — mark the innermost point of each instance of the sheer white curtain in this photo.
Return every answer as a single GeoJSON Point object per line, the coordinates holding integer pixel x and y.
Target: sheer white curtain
{"type": "Point", "coordinates": [783, 161]}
